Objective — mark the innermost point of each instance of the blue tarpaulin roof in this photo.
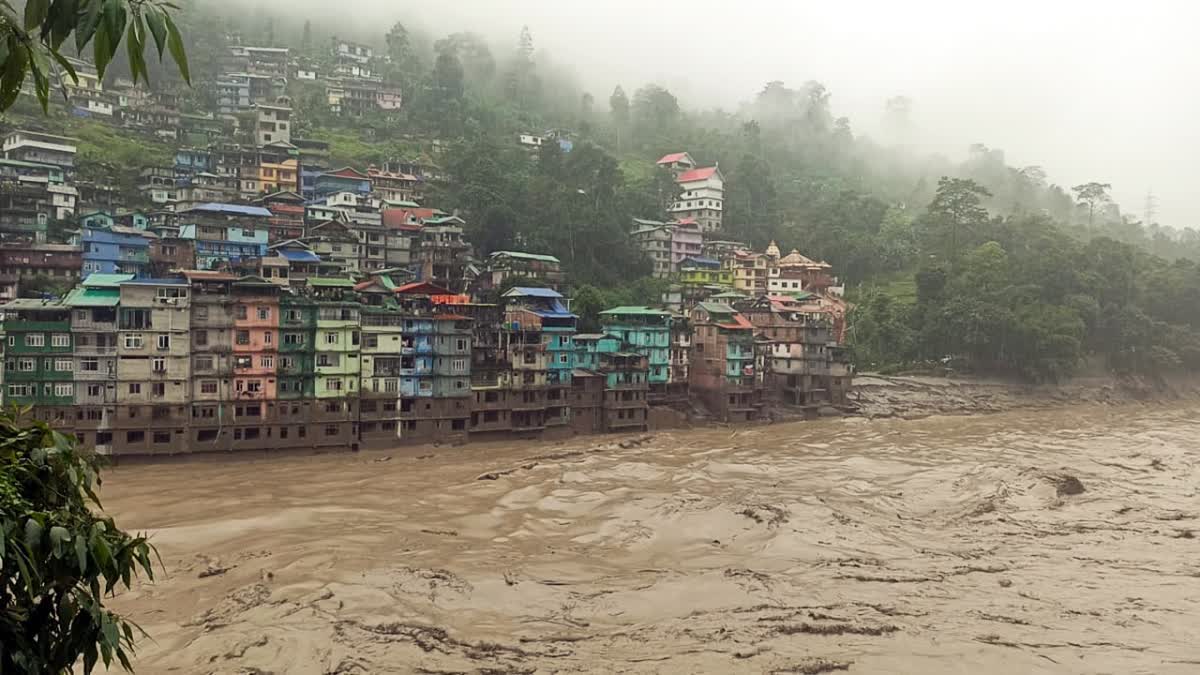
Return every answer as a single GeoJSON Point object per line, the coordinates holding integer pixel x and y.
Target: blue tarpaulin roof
{"type": "Point", "coordinates": [556, 311]}
{"type": "Point", "coordinates": [301, 256]}
{"type": "Point", "coordinates": [236, 209]}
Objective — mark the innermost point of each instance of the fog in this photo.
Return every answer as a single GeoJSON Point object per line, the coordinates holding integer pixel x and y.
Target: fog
{"type": "Point", "coordinates": [1090, 91]}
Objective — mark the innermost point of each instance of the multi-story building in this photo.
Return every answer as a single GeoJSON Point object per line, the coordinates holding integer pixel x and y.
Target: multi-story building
{"type": "Point", "coordinates": [212, 320]}
{"type": "Point", "coordinates": [395, 186]}
{"type": "Point", "coordinates": [701, 191]}
{"type": "Point", "coordinates": [39, 366]}
{"type": "Point", "coordinates": [255, 339]}
{"type": "Point", "coordinates": [654, 238]}
{"type": "Point", "coordinates": [237, 92]}
{"type": "Point", "coordinates": [722, 369]}
{"type": "Point", "coordinates": [530, 267]}
{"type": "Point", "coordinates": [153, 367]}
{"type": "Point", "coordinates": [805, 365]}
{"type": "Point", "coordinates": [610, 390]}
{"type": "Point", "coordinates": [94, 327]}
{"type": "Point", "coordinates": [533, 312]}
{"type": "Point", "coordinates": [297, 347]}
{"type": "Point", "coordinates": [443, 255]}
{"type": "Point", "coordinates": [26, 265]}
{"type": "Point", "coordinates": [273, 124]}
{"type": "Point", "coordinates": [647, 331]}
{"type": "Point", "coordinates": [115, 249]}
{"type": "Point", "coordinates": [225, 233]}
{"type": "Point", "coordinates": [287, 215]}
{"type": "Point", "coordinates": [435, 383]}
{"type": "Point", "coordinates": [33, 146]}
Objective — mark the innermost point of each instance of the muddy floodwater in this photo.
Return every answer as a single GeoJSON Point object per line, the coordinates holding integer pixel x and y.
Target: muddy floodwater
{"type": "Point", "coordinates": [1062, 541]}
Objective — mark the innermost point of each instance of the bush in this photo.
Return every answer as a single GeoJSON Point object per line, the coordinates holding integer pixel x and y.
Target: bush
{"type": "Point", "coordinates": [58, 557]}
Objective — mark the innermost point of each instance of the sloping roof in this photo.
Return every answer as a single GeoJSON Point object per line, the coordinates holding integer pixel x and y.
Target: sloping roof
{"type": "Point", "coordinates": [526, 256]}
{"type": "Point", "coordinates": [531, 292]}
{"type": "Point", "coordinates": [732, 295]}
{"type": "Point", "coordinates": [32, 303]}
{"type": "Point", "coordinates": [208, 275]}
{"type": "Point", "coordinates": [701, 261]}
{"type": "Point", "coordinates": [300, 256]}
{"type": "Point", "coordinates": [634, 309]}
{"type": "Point", "coordinates": [173, 281]}
{"type": "Point", "coordinates": [587, 337]}
{"type": "Point", "coordinates": [739, 323]}
{"type": "Point", "coordinates": [422, 288]}
{"type": "Point", "coordinates": [673, 157]}
{"type": "Point", "coordinates": [715, 308]}
{"type": "Point", "coordinates": [232, 209]}
{"type": "Point", "coordinates": [445, 220]}
{"type": "Point", "coordinates": [98, 280]}
{"type": "Point", "coordinates": [328, 282]}
{"type": "Point", "coordinates": [696, 174]}
{"type": "Point", "coordinates": [93, 297]}
{"type": "Point", "coordinates": [347, 172]}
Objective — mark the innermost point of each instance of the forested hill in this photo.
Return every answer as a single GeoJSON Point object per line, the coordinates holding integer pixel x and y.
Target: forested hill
{"type": "Point", "coordinates": [987, 264]}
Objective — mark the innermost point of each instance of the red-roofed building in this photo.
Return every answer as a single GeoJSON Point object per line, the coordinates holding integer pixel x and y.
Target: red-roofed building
{"type": "Point", "coordinates": [725, 367]}
{"type": "Point", "coordinates": [701, 197]}
{"type": "Point", "coordinates": [677, 161]}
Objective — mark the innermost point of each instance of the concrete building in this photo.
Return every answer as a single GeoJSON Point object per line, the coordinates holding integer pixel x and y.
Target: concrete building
{"type": "Point", "coordinates": [722, 370]}
{"type": "Point", "coordinates": [33, 146]}
{"type": "Point", "coordinates": [273, 124]}
{"type": "Point", "coordinates": [115, 249]}
{"type": "Point", "coordinates": [647, 331]}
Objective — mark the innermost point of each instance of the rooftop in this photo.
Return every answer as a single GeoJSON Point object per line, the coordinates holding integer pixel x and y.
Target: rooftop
{"type": "Point", "coordinates": [696, 174]}
{"type": "Point", "coordinates": [531, 292]}
{"type": "Point", "coordinates": [526, 256]}
{"type": "Point", "coordinates": [330, 282]}
{"type": "Point", "coordinates": [92, 297]}
{"type": "Point", "coordinates": [632, 310]}
{"type": "Point", "coordinates": [98, 280]}
{"type": "Point", "coordinates": [232, 209]}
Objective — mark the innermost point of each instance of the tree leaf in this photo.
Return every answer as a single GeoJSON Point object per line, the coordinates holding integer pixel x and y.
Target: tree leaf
{"type": "Point", "coordinates": [175, 45]}
{"type": "Point", "coordinates": [59, 535]}
{"type": "Point", "coordinates": [90, 19]}
{"type": "Point", "coordinates": [35, 13]}
{"type": "Point", "coordinates": [158, 29]}
{"type": "Point", "coordinates": [81, 554]}
{"type": "Point", "coordinates": [33, 534]}
{"type": "Point", "coordinates": [133, 50]}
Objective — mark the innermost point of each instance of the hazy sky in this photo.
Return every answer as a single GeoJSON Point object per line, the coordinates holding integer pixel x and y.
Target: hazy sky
{"type": "Point", "coordinates": [1102, 90]}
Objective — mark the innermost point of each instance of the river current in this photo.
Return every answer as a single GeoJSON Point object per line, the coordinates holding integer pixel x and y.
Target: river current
{"type": "Point", "coordinates": [1058, 541]}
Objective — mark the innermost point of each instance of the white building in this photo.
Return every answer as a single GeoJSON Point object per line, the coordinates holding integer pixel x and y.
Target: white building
{"type": "Point", "coordinates": [273, 124]}
{"type": "Point", "coordinates": [31, 146]}
{"type": "Point", "coordinates": [701, 195]}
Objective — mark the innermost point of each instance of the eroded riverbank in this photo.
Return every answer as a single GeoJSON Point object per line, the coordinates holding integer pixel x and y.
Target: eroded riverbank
{"type": "Point", "coordinates": [940, 545]}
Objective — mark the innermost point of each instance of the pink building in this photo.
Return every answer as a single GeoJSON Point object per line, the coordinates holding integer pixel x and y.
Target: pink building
{"type": "Point", "coordinates": [687, 241]}
{"type": "Point", "coordinates": [255, 339]}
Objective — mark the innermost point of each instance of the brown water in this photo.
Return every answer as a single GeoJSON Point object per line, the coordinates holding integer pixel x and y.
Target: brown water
{"type": "Point", "coordinates": [934, 546]}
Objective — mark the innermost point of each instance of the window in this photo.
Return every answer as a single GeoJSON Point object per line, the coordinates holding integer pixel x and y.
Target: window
{"type": "Point", "coordinates": [240, 312]}
{"type": "Point", "coordinates": [35, 340]}
{"type": "Point", "coordinates": [89, 365]}
{"type": "Point", "coordinates": [372, 341]}
{"type": "Point", "coordinates": [158, 365]}
{"type": "Point", "coordinates": [208, 386]}
{"type": "Point", "coordinates": [331, 430]}
{"type": "Point", "coordinates": [200, 338]}
{"type": "Point", "coordinates": [64, 365]}
{"type": "Point", "coordinates": [60, 340]}
{"type": "Point", "coordinates": [27, 365]}
{"type": "Point", "coordinates": [268, 338]}
{"type": "Point", "coordinates": [158, 389]}
{"type": "Point", "coordinates": [331, 338]}
{"type": "Point", "coordinates": [254, 386]}
{"type": "Point", "coordinates": [94, 390]}
{"type": "Point", "coordinates": [135, 387]}
{"type": "Point", "coordinates": [62, 389]}
{"type": "Point", "coordinates": [161, 437]}
{"type": "Point", "coordinates": [133, 340]}
{"type": "Point", "coordinates": [293, 338]}
{"type": "Point", "coordinates": [264, 313]}
{"type": "Point", "coordinates": [243, 337]}
{"type": "Point", "coordinates": [354, 338]}
{"type": "Point", "coordinates": [334, 384]}
{"type": "Point", "coordinates": [292, 315]}
{"type": "Point", "coordinates": [460, 345]}
{"type": "Point", "coordinates": [460, 365]}
{"type": "Point", "coordinates": [135, 436]}
{"type": "Point", "coordinates": [267, 361]}
{"type": "Point", "coordinates": [171, 292]}
{"type": "Point", "coordinates": [200, 312]}
{"type": "Point", "coordinates": [283, 433]}
{"type": "Point", "coordinates": [302, 432]}
{"type": "Point", "coordinates": [206, 435]}
{"type": "Point", "coordinates": [243, 362]}
{"type": "Point", "coordinates": [286, 362]}
{"type": "Point", "coordinates": [20, 390]}
{"type": "Point", "coordinates": [328, 360]}
{"type": "Point", "coordinates": [564, 358]}
{"type": "Point", "coordinates": [204, 363]}
{"type": "Point", "coordinates": [164, 343]}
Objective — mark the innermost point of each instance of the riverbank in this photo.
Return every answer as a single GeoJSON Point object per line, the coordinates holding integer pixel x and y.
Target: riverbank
{"type": "Point", "coordinates": [914, 397]}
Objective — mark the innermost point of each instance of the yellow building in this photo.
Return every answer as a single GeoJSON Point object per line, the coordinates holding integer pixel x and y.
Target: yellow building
{"type": "Point", "coordinates": [278, 176]}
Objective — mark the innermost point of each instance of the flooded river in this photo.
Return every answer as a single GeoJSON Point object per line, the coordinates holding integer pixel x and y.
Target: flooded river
{"type": "Point", "coordinates": [944, 545]}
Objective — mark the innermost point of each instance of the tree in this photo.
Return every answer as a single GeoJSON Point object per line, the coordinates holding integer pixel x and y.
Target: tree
{"type": "Point", "coordinates": [654, 109]}
{"type": "Point", "coordinates": [956, 210]}
{"type": "Point", "coordinates": [31, 45]}
{"type": "Point", "coordinates": [306, 38]}
{"type": "Point", "coordinates": [58, 557]}
{"type": "Point", "coordinates": [618, 104]}
{"type": "Point", "coordinates": [586, 102]}
{"type": "Point", "coordinates": [1091, 195]}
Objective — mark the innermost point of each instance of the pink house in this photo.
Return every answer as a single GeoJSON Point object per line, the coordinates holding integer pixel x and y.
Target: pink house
{"type": "Point", "coordinates": [687, 240]}
{"type": "Point", "coordinates": [255, 339]}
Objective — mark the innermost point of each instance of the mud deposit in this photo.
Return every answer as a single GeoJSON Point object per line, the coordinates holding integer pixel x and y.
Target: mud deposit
{"type": "Point", "coordinates": [1032, 542]}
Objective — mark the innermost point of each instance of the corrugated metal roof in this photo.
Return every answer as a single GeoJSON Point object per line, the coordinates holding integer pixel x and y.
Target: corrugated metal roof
{"type": "Point", "coordinates": [325, 282]}
{"type": "Point", "coordinates": [100, 280]}
{"type": "Point", "coordinates": [531, 292]}
{"type": "Point", "coordinates": [93, 297]}
{"type": "Point", "coordinates": [696, 174]}
{"type": "Point", "coordinates": [156, 282]}
{"type": "Point", "coordinates": [631, 309]}
{"type": "Point", "coordinates": [235, 209]}
{"type": "Point", "coordinates": [526, 256]}
{"type": "Point", "coordinates": [301, 256]}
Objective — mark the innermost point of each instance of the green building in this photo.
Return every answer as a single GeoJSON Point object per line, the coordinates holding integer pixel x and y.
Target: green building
{"type": "Point", "coordinates": [644, 330]}
{"type": "Point", "coordinates": [296, 373]}
{"type": "Point", "coordinates": [337, 363]}
{"type": "Point", "coordinates": [39, 364]}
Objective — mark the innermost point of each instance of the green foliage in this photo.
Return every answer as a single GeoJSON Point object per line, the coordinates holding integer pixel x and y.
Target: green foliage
{"type": "Point", "coordinates": [31, 45]}
{"type": "Point", "coordinates": [58, 558]}
{"type": "Point", "coordinates": [588, 301]}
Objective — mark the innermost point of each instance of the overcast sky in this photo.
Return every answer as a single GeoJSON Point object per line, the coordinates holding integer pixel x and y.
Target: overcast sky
{"type": "Point", "coordinates": [1105, 90]}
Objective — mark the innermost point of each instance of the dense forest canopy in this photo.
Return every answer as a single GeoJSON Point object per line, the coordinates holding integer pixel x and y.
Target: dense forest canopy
{"type": "Point", "coordinates": [975, 262]}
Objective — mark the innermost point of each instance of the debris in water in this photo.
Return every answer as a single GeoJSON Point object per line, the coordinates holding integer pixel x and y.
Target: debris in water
{"type": "Point", "coordinates": [1068, 485]}
{"type": "Point", "coordinates": [813, 667]}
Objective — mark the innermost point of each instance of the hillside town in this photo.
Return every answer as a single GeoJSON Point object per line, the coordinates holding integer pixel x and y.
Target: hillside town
{"type": "Point", "coordinates": [252, 295]}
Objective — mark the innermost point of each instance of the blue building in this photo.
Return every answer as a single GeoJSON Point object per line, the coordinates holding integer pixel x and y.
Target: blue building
{"type": "Point", "coordinates": [192, 160]}
{"type": "Point", "coordinates": [343, 180]}
{"type": "Point", "coordinates": [557, 326]}
{"type": "Point", "coordinates": [115, 250]}
{"type": "Point", "coordinates": [225, 232]}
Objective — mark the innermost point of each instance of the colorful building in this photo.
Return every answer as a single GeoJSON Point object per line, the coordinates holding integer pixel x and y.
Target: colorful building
{"type": "Point", "coordinates": [722, 369]}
